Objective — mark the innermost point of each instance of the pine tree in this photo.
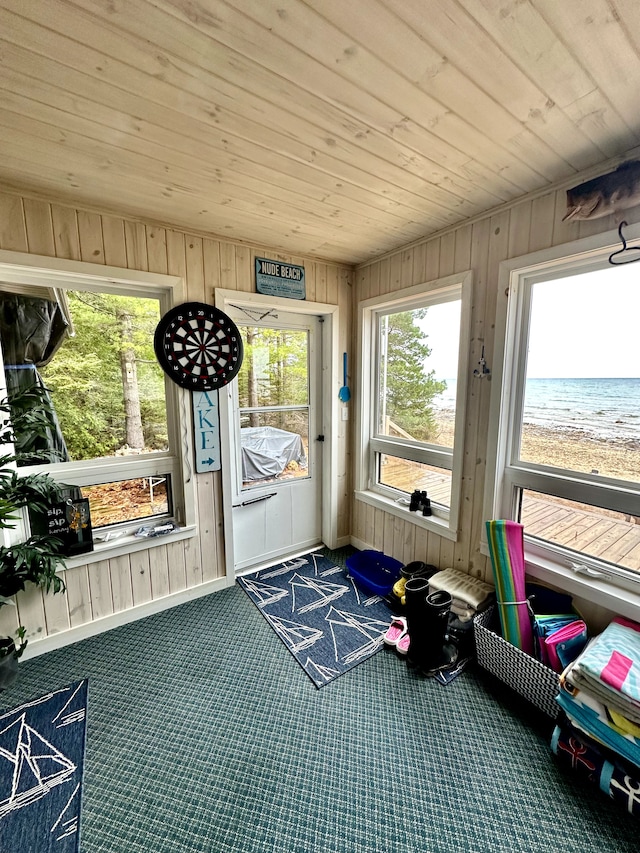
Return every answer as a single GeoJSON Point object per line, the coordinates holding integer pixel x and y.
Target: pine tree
{"type": "Point", "coordinates": [408, 388]}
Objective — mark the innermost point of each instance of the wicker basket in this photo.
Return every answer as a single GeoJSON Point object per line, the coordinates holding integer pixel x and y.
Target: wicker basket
{"type": "Point", "coordinates": [529, 677]}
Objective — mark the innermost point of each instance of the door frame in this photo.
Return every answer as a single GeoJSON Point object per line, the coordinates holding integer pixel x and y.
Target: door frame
{"type": "Point", "coordinates": [328, 414]}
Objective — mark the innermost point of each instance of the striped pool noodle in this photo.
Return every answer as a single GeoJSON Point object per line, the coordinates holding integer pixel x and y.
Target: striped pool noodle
{"type": "Point", "coordinates": [506, 546]}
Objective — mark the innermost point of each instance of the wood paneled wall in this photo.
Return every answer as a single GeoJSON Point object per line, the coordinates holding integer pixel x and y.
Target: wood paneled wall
{"type": "Point", "coordinates": [114, 586]}
{"type": "Point", "coordinates": [528, 226]}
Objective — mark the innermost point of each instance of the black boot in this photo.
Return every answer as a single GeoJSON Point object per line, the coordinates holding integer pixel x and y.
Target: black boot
{"type": "Point", "coordinates": [416, 591]}
{"type": "Point", "coordinates": [412, 570]}
{"type": "Point", "coordinates": [438, 654]}
{"type": "Point", "coordinates": [418, 569]}
{"type": "Point", "coordinates": [461, 635]}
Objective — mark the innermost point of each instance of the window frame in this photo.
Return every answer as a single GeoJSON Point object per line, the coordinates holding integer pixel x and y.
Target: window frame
{"type": "Point", "coordinates": [23, 272]}
{"type": "Point", "coordinates": [576, 572]}
{"type": "Point", "coordinates": [285, 321]}
{"type": "Point", "coordinates": [370, 444]}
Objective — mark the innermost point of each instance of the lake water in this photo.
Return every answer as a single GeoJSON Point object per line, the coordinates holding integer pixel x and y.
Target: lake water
{"type": "Point", "coordinates": [604, 408]}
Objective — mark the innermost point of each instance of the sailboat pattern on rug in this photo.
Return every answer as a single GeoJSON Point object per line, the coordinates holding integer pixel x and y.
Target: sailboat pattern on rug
{"type": "Point", "coordinates": [41, 756]}
{"type": "Point", "coordinates": [328, 624]}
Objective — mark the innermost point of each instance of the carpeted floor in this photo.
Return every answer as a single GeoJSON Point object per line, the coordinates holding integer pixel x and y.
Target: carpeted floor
{"type": "Point", "coordinates": [205, 735]}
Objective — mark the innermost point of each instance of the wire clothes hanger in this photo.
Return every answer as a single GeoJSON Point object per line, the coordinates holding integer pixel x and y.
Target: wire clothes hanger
{"type": "Point", "coordinates": [627, 254]}
{"type": "Point", "coordinates": [252, 313]}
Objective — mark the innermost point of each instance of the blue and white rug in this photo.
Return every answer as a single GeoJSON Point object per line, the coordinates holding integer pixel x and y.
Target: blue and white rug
{"type": "Point", "coordinates": [327, 622]}
{"type": "Point", "coordinates": [41, 761]}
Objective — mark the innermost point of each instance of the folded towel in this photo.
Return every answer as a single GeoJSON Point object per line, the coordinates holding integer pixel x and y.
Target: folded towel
{"type": "Point", "coordinates": [463, 588]}
{"type": "Point", "coordinates": [591, 716]}
{"type": "Point", "coordinates": [586, 757]}
{"type": "Point", "coordinates": [565, 644]}
{"type": "Point", "coordinates": [610, 666]}
{"type": "Point", "coordinates": [462, 610]}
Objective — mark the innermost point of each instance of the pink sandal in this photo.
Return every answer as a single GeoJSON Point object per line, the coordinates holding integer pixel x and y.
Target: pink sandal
{"type": "Point", "coordinates": [402, 646]}
{"type": "Point", "coordinates": [395, 632]}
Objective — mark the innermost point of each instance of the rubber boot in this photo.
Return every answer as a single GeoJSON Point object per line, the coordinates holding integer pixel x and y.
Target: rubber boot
{"type": "Point", "coordinates": [418, 569]}
{"type": "Point", "coordinates": [461, 635]}
{"type": "Point", "coordinates": [438, 653]}
{"type": "Point", "coordinates": [412, 570]}
{"type": "Point", "coordinates": [416, 590]}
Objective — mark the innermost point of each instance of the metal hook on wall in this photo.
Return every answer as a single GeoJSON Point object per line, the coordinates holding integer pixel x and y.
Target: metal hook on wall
{"type": "Point", "coordinates": [627, 254]}
{"type": "Point", "coordinates": [484, 370]}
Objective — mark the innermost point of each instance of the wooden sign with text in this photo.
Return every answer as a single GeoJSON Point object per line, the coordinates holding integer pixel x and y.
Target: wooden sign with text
{"type": "Point", "coordinates": [206, 428]}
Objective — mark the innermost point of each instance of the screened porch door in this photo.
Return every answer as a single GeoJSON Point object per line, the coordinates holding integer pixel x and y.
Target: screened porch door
{"type": "Point", "coordinates": [276, 458]}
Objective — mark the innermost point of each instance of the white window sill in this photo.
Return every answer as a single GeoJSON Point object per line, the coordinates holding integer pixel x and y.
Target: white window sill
{"type": "Point", "coordinates": [432, 523]}
{"type": "Point", "coordinates": [619, 600]}
{"type": "Point", "coordinates": [127, 544]}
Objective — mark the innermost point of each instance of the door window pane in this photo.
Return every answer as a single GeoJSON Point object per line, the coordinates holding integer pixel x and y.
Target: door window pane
{"type": "Point", "coordinates": [273, 393]}
{"type": "Point", "coordinates": [274, 369]}
{"type": "Point", "coordinates": [275, 452]}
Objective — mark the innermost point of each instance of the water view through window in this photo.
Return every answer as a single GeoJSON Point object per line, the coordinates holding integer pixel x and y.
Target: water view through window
{"type": "Point", "coordinates": [581, 407]}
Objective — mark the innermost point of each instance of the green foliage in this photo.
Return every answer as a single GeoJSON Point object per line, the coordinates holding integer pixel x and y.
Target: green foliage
{"type": "Point", "coordinates": [86, 374]}
{"type": "Point", "coordinates": [410, 390]}
{"type": "Point", "coordinates": [32, 410]}
{"type": "Point", "coordinates": [32, 490]}
{"type": "Point", "coordinates": [9, 646]}
{"type": "Point", "coordinates": [33, 561]}
{"type": "Point", "coordinates": [274, 369]}
{"type": "Point", "coordinates": [36, 559]}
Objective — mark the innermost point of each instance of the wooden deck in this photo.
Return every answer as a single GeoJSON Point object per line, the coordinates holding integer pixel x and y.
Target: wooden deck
{"type": "Point", "coordinates": [407, 476]}
{"type": "Point", "coordinates": [609, 536]}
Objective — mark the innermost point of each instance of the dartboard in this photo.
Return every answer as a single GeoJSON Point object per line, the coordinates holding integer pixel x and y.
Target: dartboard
{"type": "Point", "coordinates": [198, 346]}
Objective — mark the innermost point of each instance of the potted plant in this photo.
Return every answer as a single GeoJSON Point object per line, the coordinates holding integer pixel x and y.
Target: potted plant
{"type": "Point", "coordinates": [36, 558]}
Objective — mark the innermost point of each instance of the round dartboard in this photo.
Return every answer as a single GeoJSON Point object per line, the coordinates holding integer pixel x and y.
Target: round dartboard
{"type": "Point", "coordinates": [198, 346]}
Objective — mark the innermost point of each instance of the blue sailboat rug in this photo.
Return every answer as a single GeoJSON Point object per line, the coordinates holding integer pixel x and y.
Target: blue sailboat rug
{"type": "Point", "coordinates": [41, 762]}
{"type": "Point", "coordinates": [328, 623]}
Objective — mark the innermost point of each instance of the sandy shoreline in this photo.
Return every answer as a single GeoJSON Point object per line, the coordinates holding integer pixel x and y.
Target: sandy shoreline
{"type": "Point", "coordinates": [562, 448]}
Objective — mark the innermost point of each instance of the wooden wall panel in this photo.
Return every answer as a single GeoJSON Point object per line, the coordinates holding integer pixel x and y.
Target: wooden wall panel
{"type": "Point", "coordinates": [122, 583]}
{"type": "Point", "coordinates": [159, 569]}
{"type": "Point", "coordinates": [13, 233]}
{"type": "Point", "coordinates": [65, 232]}
{"type": "Point", "coordinates": [530, 225]}
{"type": "Point", "coordinates": [39, 227]}
{"type": "Point", "coordinates": [100, 589]}
{"type": "Point", "coordinates": [115, 247]}
{"type": "Point", "coordinates": [121, 587]}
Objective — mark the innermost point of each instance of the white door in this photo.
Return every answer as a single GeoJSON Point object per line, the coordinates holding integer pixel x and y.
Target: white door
{"type": "Point", "coordinates": [276, 442]}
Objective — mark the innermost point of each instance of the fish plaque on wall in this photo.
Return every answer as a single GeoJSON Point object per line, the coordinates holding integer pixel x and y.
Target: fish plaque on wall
{"type": "Point", "coordinates": [607, 194]}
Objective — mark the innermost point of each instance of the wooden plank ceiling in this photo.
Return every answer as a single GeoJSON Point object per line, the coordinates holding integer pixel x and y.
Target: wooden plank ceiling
{"type": "Point", "coordinates": [340, 129]}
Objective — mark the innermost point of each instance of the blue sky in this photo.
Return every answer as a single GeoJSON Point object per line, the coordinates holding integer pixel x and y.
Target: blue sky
{"type": "Point", "coordinates": [442, 325]}
{"type": "Point", "coordinates": [587, 325]}
{"type": "Point", "coordinates": [584, 326]}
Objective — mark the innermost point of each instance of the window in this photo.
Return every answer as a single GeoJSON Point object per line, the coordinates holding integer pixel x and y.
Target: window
{"type": "Point", "coordinates": [415, 355]}
{"type": "Point", "coordinates": [274, 404]}
{"type": "Point", "coordinates": [568, 454]}
{"type": "Point", "coordinates": [84, 338]}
